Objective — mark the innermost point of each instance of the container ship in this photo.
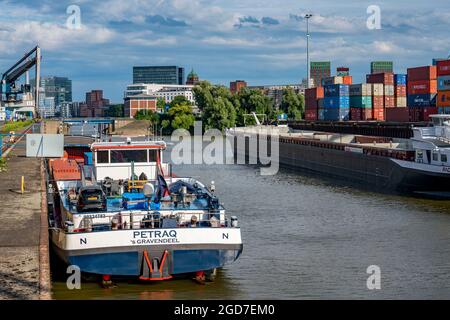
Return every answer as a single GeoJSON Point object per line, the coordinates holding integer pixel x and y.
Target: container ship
{"type": "Point", "coordinates": [419, 165]}
{"type": "Point", "coordinates": [118, 211]}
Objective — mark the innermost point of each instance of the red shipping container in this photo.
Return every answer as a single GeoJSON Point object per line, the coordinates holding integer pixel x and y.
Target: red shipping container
{"type": "Point", "coordinates": [366, 113]}
{"type": "Point", "coordinates": [385, 78]}
{"type": "Point", "coordinates": [397, 114]}
{"type": "Point", "coordinates": [348, 79]}
{"type": "Point", "coordinates": [311, 104]}
{"type": "Point", "coordinates": [378, 114]}
{"type": "Point", "coordinates": [389, 101]}
{"type": "Point", "coordinates": [422, 73]}
{"type": "Point", "coordinates": [415, 114]}
{"type": "Point", "coordinates": [311, 115]}
{"type": "Point", "coordinates": [422, 87]}
{"type": "Point", "coordinates": [428, 111]}
{"type": "Point", "coordinates": [355, 114]}
{"type": "Point", "coordinates": [400, 91]}
{"type": "Point", "coordinates": [377, 102]}
{"type": "Point", "coordinates": [443, 68]}
{"type": "Point", "coordinates": [314, 93]}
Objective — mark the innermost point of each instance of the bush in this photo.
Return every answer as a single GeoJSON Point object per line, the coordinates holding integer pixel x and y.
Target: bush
{"type": "Point", "coordinates": [15, 126]}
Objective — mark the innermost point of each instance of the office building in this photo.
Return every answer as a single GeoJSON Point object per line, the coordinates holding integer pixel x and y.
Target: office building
{"type": "Point", "coordinates": [59, 88]}
{"type": "Point", "coordinates": [158, 74]}
{"type": "Point", "coordinates": [318, 71]}
{"type": "Point", "coordinates": [167, 92]}
{"type": "Point", "coordinates": [95, 104]}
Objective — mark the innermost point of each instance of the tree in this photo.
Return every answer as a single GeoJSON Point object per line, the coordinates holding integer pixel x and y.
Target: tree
{"type": "Point", "coordinates": [115, 110]}
{"type": "Point", "coordinates": [180, 100]}
{"type": "Point", "coordinates": [161, 103]}
{"type": "Point", "coordinates": [181, 117]}
{"type": "Point", "coordinates": [292, 104]}
{"type": "Point", "coordinates": [147, 115]}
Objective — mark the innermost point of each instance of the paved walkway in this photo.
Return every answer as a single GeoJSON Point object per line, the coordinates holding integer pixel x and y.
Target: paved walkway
{"type": "Point", "coordinates": [20, 226]}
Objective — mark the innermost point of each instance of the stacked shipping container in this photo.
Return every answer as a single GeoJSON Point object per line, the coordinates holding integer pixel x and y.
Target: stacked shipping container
{"type": "Point", "coordinates": [360, 102]}
{"type": "Point", "coordinates": [443, 86]}
{"type": "Point", "coordinates": [422, 90]}
{"type": "Point", "coordinates": [336, 102]}
{"type": "Point", "coordinates": [400, 113]}
{"type": "Point", "coordinates": [312, 98]}
{"type": "Point", "coordinates": [383, 97]}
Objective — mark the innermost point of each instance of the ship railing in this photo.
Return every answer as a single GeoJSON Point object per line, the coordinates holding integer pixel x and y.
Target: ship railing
{"type": "Point", "coordinates": [152, 220]}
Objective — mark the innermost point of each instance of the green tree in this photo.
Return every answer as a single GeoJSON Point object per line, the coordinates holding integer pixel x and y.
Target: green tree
{"type": "Point", "coordinates": [180, 100]}
{"type": "Point", "coordinates": [147, 115]}
{"type": "Point", "coordinates": [161, 103]}
{"type": "Point", "coordinates": [181, 117]}
{"type": "Point", "coordinates": [115, 110]}
{"type": "Point", "coordinates": [293, 104]}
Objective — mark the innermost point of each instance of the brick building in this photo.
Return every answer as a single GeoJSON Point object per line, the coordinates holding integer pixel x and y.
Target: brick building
{"type": "Point", "coordinates": [135, 103]}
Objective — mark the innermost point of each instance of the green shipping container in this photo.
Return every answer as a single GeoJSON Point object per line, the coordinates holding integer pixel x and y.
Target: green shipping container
{"type": "Point", "coordinates": [360, 102]}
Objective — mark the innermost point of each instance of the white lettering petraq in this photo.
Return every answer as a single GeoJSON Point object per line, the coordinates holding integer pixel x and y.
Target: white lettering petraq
{"type": "Point", "coordinates": [150, 234]}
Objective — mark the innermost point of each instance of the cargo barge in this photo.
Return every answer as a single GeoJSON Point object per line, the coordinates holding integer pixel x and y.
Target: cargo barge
{"type": "Point", "coordinates": [419, 165]}
{"type": "Point", "coordinates": [118, 211]}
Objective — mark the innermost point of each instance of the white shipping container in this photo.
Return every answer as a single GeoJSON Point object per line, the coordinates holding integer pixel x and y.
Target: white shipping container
{"type": "Point", "coordinates": [388, 90]}
{"type": "Point", "coordinates": [377, 89]}
{"type": "Point", "coordinates": [401, 102]}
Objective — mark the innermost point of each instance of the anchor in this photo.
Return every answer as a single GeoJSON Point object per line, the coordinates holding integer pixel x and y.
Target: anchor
{"type": "Point", "coordinates": [156, 269]}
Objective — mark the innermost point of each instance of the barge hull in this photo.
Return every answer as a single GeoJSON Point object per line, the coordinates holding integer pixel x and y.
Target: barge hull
{"type": "Point", "coordinates": [380, 172]}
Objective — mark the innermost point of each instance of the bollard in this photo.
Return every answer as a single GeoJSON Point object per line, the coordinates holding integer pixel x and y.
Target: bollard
{"type": "Point", "coordinates": [23, 185]}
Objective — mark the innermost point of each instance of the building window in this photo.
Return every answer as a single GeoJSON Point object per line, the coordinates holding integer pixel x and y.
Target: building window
{"type": "Point", "coordinates": [126, 156]}
{"type": "Point", "coordinates": [102, 157]}
{"type": "Point", "coordinates": [443, 157]}
{"type": "Point", "coordinates": [435, 156]}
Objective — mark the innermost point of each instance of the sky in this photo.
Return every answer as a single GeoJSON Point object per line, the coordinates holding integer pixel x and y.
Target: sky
{"type": "Point", "coordinates": [260, 41]}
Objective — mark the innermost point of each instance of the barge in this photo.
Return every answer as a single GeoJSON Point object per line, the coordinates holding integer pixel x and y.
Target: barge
{"type": "Point", "coordinates": [118, 211]}
{"type": "Point", "coordinates": [418, 165]}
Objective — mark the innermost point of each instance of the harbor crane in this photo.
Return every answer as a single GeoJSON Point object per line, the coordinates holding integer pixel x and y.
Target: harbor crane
{"type": "Point", "coordinates": [23, 99]}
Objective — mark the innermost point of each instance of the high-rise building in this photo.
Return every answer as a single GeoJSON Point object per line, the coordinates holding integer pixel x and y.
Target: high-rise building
{"type": "Point", "coordinates": [236, 86]}
{"type": "Point", "coordinates": [59, 88]}
{"type": "Point", "coordinates": [320, 70]}
{"type": "Point", "coordinates": [381, 67]}
{"type": "Point", "coordinates": [158, 74]}
{"type": "Point", "coordinates": [95, 104]}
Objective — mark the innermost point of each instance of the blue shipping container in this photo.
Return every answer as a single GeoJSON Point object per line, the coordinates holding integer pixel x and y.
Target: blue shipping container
{"type": "Point", "coordinates": [444, 110]}
{"type": "Point", "coordinates": [336, 102]}
{"type": "Point", "coordinates": [422, 100]}
{"type": "Point", "coordinates": [320, 114]}
{"type": "Point", "coordinates": [400, 79]}
{"type": "Point", "coordinates": [333, 114]}
{"type": "Point", "coordinates": [443, 83]}
{"type": "Point", "coordinates": [336, 90]}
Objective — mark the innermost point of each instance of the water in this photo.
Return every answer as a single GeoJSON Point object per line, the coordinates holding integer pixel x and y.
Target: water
{"type": "Point", "coordinates": [311, 238]}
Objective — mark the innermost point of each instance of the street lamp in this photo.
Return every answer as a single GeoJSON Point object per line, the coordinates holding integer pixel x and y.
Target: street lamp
{"type": "Point", "coordinates": [307, 17]}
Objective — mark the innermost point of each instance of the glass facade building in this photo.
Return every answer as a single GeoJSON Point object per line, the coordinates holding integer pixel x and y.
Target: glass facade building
{"type": "Point", "coordinates": [59, 88]}
{"type": "Point", "coordinates": [158, 74]}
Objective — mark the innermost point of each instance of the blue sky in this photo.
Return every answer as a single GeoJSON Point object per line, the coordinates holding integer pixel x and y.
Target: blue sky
{"type": "Point", "coordinates": [260, 41]}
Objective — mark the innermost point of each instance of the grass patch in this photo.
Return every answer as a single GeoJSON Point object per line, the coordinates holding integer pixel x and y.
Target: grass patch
{"type": "Point", "coordinates": [15, 126]}
{"type": "Point", "coordinates": [2, 164]}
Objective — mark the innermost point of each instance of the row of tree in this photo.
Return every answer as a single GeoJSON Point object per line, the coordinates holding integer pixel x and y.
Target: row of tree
{"type": "Point", "coordinates": [221, 109]}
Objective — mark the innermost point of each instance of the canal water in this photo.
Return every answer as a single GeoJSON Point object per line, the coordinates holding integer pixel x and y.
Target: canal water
{"type": "Point", "coordinates": [309, 237]}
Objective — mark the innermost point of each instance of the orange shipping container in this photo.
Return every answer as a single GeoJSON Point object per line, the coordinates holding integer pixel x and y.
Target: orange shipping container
{"type": "Point", "coordinates": [422, 87]}
{"type": "Point", "coordinates": [348, 79]}
{"type": "Point", "coordinates": [378, 114]}
{"type": "Point", "coordinates": [400, 91]}
{"type": "Point", "coordinates": [389, 101]}
{"type": "Point", "coordinates": [443, 99]}
{"type": "Point", "coordinates": [366, 113]}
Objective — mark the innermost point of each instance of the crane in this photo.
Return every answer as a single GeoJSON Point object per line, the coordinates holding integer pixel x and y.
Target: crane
{"type": "Point", "coordinates": [21, 99]}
